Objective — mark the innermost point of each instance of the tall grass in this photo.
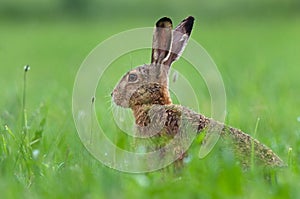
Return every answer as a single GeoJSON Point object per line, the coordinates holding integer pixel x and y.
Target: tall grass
{"type": "Point", "coordinates": [19, 148]}
{"type": "Point", "coordinates": [258, 61]}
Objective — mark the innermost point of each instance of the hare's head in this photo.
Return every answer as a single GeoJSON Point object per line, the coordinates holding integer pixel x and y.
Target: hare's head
{"type": "Point", "coordinates": [148, 84]}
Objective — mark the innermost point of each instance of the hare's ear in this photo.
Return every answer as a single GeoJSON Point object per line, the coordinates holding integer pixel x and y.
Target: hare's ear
{"type": "Point", "coordinates": [162, 38]}
{"type": "Point", "coordinates": [181, 36]}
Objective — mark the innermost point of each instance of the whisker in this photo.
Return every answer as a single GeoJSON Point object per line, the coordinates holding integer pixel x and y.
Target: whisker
{"type": "Point", "coordinates": [111, 106]}
{"type": "Point", "coordinates": [108, 101]}
{"type": "Point", "coordinates": [107, 96]}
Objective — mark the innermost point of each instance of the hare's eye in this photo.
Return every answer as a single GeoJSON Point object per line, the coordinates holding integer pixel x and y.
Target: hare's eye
{"type": "Point", "coordinates": [132, 77]}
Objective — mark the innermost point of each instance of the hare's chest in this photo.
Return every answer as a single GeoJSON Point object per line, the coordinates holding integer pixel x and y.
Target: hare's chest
{"type": "Point", "coordinates": [158, 121]}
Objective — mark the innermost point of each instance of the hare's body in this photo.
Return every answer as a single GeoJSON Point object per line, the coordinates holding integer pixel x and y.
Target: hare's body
{"type": "Point", "coordinates": [231, 138]}
{"type": "Point", "coordinates": [145, 90]}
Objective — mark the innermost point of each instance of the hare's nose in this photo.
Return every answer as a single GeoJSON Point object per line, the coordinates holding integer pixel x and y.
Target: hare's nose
{"type": "Point", "coordinates": [111, 94]}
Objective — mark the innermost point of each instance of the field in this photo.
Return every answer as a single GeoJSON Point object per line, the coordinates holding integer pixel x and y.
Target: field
{"type": "Point", "coordinates": [258, 58]}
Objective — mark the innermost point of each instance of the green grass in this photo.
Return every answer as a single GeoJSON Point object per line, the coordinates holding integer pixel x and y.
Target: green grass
{"type": "Point", "coordinates": [259, 63]}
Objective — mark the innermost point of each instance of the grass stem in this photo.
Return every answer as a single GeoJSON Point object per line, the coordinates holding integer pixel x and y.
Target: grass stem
{"type": "Point", "coordinates": [24, 120]}
{"type": "Point", "coordinates": [252, 145]}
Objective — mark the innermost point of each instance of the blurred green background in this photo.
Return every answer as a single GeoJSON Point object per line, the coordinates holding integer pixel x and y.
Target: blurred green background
{"type": "Point", "coordinates": [255, 44]}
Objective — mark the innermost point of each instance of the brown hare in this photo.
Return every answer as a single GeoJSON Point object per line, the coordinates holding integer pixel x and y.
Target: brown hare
{"type": "Point", "coordinates": [145, 91]}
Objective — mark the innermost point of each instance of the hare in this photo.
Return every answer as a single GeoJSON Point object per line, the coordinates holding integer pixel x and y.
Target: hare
{"type": "Point", "coordinates": [145, 91]}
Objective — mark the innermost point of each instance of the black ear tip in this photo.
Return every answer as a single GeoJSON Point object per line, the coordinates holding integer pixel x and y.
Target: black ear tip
{"type": "Point", "coordinates": [190, 18]}
{"type": "Point", "coordinates": [188, 24]}
{"type": "Point", "coordinates": [163, 21]}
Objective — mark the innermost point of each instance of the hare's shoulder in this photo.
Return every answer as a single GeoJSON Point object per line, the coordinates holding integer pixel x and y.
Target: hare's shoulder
{"type": "Point", "coordinates": [172, 116]}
